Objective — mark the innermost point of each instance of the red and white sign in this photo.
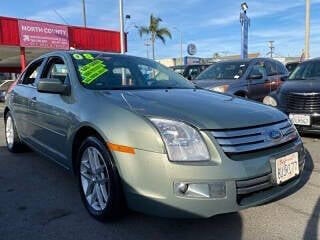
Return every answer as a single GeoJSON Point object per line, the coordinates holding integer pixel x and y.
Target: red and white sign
{"type": "Point", "coordinates": [43, 35]}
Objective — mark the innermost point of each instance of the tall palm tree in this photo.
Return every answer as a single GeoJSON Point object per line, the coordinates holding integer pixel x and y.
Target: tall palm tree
{"type": "Point", "coordinates": [155, 32]}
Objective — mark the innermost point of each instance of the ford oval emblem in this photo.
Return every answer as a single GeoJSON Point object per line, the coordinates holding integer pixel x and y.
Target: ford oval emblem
{"type": "Point", "coordinates": [275, 134]}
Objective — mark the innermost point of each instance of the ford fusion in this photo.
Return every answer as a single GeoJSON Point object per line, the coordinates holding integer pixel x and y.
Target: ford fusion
{"type": "Point", "coordinates": [138, 135]}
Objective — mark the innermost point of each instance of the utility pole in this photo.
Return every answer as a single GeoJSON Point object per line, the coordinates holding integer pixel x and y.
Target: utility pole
{"type": "Point", "coordinates": [271, 46]}
{"type": "Point", "coordinates": [307, 31]}
{"type": "Point", "coordinates": [84, 13]}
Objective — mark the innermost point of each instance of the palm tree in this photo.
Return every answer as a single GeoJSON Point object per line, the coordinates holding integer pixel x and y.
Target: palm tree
{"type": "Point", "coordinates": [155, 32]}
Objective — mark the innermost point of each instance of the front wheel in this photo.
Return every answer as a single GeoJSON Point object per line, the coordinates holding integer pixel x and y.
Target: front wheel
{"type": "Point", "coordinates": [99, 182]}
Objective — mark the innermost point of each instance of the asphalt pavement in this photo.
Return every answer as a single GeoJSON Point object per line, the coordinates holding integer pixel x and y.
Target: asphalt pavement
{"type": "Point", "coordinates": [40, 200]}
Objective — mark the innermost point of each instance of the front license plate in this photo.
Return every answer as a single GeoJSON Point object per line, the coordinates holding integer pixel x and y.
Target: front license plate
{"type": "Point", "coordinates": [287, 167]}
{"type": "Point", "coordinates": [300, 119]}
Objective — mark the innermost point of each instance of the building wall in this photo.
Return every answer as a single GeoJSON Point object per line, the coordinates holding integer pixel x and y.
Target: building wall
{"type": "Point", "coordinates": [79, 37]}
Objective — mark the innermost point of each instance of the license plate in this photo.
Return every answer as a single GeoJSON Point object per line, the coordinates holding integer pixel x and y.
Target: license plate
{"type": "Point", "coordinates": [287, 167]}
{"type": "Point", "coordinates": [300, 119]}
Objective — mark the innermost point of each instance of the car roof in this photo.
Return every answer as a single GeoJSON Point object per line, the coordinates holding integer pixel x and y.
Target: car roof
{"type": "Point", "coordinates": [249, 60]}
{"type": "Point", "coordinates": [317, 59]}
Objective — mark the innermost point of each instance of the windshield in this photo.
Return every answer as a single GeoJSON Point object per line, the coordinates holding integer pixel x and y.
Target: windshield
{"type": "Point", "coordinates": [306, 71]}
{"type": "Point", "coordinates": [116, 72]}
{"type": "Point", "coordinates": [224, 70]}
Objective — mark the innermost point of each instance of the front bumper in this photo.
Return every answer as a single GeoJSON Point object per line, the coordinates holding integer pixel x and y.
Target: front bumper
{"type": "Point", "coordinates": [314, 128]}
{"type": "Point", "coordinates": [149, 180]}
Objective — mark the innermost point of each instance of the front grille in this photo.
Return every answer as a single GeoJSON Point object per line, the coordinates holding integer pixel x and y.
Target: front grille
{"type": "Point", "coordinates": [247, 189]}
{"type": "Point", "coordinates": [256, 138]}
{"type": "Point", "coordinates": [303, 102]}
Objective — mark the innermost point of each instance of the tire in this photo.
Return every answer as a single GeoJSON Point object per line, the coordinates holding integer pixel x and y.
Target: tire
{"type": "Point", "coordinates": [99, 182]}
{"type": "Point", "coordinates": [13, 141]}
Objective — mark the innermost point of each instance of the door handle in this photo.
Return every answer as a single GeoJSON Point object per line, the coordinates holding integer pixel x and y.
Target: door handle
{"type": "Point", "coordinates": [34, 99]}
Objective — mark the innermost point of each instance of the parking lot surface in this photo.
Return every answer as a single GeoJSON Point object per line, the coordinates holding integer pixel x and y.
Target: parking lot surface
{"type": "Point", "coordinates": [40, 200]}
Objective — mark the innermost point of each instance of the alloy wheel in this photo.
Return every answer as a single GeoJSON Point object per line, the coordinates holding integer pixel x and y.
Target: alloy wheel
{"type": "Point", "coordinates": [94, 178]}
{"type": "Point", "coordinates": [9, 131]}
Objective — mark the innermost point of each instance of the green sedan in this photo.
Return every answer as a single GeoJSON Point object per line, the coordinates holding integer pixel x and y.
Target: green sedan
{"type": "Point", "coordinates": [138, 135]}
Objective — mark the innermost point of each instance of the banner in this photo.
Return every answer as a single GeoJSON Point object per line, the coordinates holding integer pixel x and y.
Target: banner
{"type": "Point", "coordinates": [43, 35]}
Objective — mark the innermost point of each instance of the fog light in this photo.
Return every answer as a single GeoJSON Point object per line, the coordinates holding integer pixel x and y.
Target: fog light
{"type": "Point", "coordinates": [201, 190]}
{"type": "Point", "coordinates": [182, 187]}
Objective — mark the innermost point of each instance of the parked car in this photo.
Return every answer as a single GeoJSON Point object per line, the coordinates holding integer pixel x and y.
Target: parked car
{"type": "Point", "coordinates": [291, 66]}
{"type": "Point", "coordinates": [4, 86]}
{"type": "Point", "coordinates": [250, 78]}
{"type": "Point", "coordinates": [299, 97]}
{"type": "Point", "coordinates": [153, 142]}
{"type": "Point", "coordinates": [190, 72]}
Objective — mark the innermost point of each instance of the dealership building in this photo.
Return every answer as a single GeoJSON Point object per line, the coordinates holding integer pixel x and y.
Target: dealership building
{"type": "Point", "coordinates": [23, 40]}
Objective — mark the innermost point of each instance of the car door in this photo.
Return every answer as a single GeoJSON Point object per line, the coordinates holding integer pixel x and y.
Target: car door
{"type": "Point", "coordinates": [256, 86]}
{"type": "Point", "coordinates": [23, 100]}
{"type": "Point", "coordinates": [273, 76]}
{"type": "Point", "coordinates": [53, 117]}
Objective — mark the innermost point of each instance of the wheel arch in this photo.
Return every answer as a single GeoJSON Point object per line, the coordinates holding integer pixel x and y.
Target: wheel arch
{"type": "Point", "coordinates": [81, 134]}
{"type": "Point", "coordinates": [241, 93]}
{"type": "Point", "coordinates": [6, 110]}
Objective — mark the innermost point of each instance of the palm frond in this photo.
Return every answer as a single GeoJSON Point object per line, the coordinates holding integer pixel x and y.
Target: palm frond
{"type": "Point", "coordinates": [143, 30]}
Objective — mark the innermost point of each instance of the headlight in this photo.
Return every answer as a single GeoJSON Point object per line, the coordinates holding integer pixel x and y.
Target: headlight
{"type": "Point", "coordinates": [268, 100]}
{"type": "Point", "coordinates": [221, 89]}
{"type": "Point", "coordinates": [183, 142]}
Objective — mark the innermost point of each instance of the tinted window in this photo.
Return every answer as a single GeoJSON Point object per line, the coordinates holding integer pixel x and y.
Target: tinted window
{"type": "Point", "coordinates": [271, 68]}
{"type": "Point", "coordinates": [281, 68]}
{"type": "Point", "coordinates": [258, 69]}
{"type": "Point", "coordinates": [224, 70]}
{"type": "Point", "coordinates": [291, 66]}
{"type": "Point", "coordinates": [107, 72]}
{"type": "Point", "coordinates": [307, 70]}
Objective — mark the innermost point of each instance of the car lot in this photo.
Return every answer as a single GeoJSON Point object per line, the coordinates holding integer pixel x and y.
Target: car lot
{"type": "Point", "coordinates": [39, 200]}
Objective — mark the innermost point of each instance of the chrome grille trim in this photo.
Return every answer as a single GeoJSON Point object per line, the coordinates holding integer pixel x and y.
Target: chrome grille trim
{"type": "Point", "coordinates": [257, 138]}
{"type": "Point", "coordinates": [305, 102]}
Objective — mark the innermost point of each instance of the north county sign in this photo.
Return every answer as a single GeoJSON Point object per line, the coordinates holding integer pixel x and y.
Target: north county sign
{"type": "Point", "coordinates": [43, 35]}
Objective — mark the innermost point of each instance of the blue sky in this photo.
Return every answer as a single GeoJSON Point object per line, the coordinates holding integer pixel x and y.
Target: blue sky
{"type": "Point", "coordinates": [212, 25]}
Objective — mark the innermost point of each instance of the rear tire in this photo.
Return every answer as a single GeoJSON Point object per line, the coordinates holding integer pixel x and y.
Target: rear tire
{"type": "Point", "coordinates": [99, 182]}
{"type": "Point", "coordinates": [13, 141]}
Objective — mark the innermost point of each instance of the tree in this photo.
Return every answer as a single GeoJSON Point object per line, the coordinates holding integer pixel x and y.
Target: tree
{"type": "Point", "coordinates": [155, 32]}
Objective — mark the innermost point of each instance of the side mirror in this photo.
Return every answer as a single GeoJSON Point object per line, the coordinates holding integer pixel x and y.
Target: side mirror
{"type": "Point", "coordinates": [284, 78]}
{"type": "Point", "coordinates": [255, 76]}
{"type": "Point", "coordinates": [53, 85]}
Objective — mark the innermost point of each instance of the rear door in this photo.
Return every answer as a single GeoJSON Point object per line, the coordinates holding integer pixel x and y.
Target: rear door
{"type": "Point", "coordinates": [24, 98]}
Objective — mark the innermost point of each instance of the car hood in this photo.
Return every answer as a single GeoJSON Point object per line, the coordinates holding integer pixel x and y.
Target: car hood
{"type": "Point", "coordinates": [211, 83]}
{"type": "Point", "coordinates": [201, 108]}
{"type": "Point", "coordinates": [300, 86]}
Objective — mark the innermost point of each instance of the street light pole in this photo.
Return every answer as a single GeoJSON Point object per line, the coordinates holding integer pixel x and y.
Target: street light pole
{"type": "Point", "coordinates": [84, 13]}
{"type": "Point", "coordinates": [122, 44]}
{"type": "Point", "coordinates": [245, 21]}
{"type": "Point", "coordinates": [307, 31]}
